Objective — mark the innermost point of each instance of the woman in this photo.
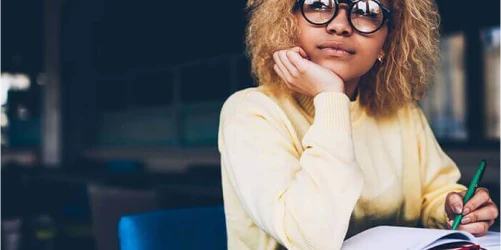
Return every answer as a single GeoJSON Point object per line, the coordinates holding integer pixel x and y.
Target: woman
{"type": "Point", "coordinates": [332, 142]}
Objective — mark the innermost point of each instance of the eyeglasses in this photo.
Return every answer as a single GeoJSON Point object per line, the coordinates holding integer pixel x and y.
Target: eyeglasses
{"type": "Point", "coordinates": [365, 16]}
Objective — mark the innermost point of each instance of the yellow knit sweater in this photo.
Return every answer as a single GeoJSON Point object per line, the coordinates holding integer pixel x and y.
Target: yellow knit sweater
{"type": "Point", "coordinates": [305, 173]}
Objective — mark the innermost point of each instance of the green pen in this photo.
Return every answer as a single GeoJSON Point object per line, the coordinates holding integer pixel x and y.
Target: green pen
{"type": "Point", "coordinates": [471, 190]}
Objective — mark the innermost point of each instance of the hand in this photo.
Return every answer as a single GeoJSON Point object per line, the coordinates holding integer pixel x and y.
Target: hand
{"type": "Point", "coordinates": [479, 212]}
{"type": "Point", "coordinates": [304, 76]}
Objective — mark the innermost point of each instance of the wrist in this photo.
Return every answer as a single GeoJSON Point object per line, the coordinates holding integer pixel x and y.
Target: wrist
{"type": "Point", "coordinates": [332, 88]}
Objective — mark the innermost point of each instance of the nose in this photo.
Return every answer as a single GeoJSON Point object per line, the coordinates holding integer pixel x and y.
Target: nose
{"type": "Point", "coordinates": [340, 25]}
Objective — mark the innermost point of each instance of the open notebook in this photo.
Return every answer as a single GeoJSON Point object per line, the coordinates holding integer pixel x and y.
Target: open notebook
{"type": "Point", "coordinates": [390, 237]}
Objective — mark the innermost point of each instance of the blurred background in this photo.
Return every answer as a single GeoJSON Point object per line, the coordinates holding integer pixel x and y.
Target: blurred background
{"type": "Point", "coordinates": [112, 107]}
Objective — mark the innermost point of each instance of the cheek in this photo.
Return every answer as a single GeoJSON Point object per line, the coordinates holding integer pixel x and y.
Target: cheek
{"type": "Point", "coordinates": [367, 57]}
{"type": "Point", "coordinates": [370, 54]}
{"type": "Point", "coordinates": [370, 51]}
{"type": "Point", "coordinates": [305, 38]}
{"type": "Point", "coordinates": [381, 40]}
{"type": "Point", "coordinates": [301, 36]}
{"type": "Point", "coordinates": [372, 47]}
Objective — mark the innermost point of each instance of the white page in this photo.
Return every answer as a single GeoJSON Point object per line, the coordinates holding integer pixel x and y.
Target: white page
{"type": "Point", "coordinates": [388, 237]}
{"type": "Point", "coordinates": [490, 239]}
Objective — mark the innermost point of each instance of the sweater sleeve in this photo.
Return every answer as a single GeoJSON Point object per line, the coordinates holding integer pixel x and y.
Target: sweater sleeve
{"type": "Point", "coordinates": [439, 175]}
{"type": "Point", "coordinates": [303, 201]}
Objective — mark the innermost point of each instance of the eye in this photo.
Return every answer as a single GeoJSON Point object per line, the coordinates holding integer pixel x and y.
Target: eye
{"type": "Point", "coordinates": [369, 14]}
{"type": "Point", "coordinates": [318, 6]}
{"type": "Point", "coordinates": [367, 9]}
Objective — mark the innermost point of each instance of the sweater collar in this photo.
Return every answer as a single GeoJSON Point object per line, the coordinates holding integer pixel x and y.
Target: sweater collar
{"type": "Point", "coordinates": [306, 103]}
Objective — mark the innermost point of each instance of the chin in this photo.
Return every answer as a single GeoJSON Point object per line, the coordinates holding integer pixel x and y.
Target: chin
{"type": "Point", "coordinates": [344, 70]}
{"type": "Point", "coordinates": [340, 69]}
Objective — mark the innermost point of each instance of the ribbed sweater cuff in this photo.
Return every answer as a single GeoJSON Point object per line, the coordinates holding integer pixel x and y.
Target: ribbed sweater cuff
{"type": "Point", "coordinates": [332, 111]}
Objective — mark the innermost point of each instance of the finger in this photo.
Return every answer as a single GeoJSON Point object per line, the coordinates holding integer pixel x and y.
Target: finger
{"type": "Point", "coordinates": [301, 52]}
{"type": "Point", "coordinates": [285, 73]}
{"type": "Point", "coordinates": [279, 73]}
{"type": "Point", "coordinates": [480, 197]}
{"type": "Point", "coordinates": [300, 63]}
{"type": "Point", "coordinates": [485, 213]}
{"type": "Point", "coordinates": [477, 228]}
{"type": "Point", "coordinates": [288, 65]}
{"type": "Point", "coordinates": [454, 204]}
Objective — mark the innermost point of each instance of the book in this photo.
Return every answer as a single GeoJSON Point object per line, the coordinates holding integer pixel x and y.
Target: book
{"type": "Point", "coordinates": [391, 237]}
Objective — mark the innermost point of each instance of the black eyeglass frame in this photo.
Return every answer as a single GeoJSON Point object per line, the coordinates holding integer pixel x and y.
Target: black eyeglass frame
{"type": "Point", "coordinates": [386, 13]}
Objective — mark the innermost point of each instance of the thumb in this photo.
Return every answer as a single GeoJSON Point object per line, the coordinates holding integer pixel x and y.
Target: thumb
{"type": "Point", "coordinates": [454, 203]}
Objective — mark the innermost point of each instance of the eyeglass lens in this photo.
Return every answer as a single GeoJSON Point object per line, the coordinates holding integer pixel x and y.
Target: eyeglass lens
{"type": "Point", "coordinates": [365, 15]}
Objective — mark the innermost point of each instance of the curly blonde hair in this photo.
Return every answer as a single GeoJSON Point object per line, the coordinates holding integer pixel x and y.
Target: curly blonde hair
{"type": "Point", "coordinates": [411, 51]}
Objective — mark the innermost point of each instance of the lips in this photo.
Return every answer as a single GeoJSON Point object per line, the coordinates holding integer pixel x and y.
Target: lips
{"type": "Point", "coordinates": [336, 48]}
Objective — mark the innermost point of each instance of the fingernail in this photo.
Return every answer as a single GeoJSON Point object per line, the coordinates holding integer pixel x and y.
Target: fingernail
{"type": "Point", "coordinates": [465, 220]}
{"type": "Point", "coordinates": [457, 209]}
{"type": "Point", "coordinates": [466, 211]}
{"type": "Point", "coordinates": [450, 222]}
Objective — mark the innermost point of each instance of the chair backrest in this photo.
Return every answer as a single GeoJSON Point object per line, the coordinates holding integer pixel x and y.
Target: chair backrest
{"type": "Point", "coordinates": [194, 228]}
{"type": "Point", "coordinates": [109, 204]}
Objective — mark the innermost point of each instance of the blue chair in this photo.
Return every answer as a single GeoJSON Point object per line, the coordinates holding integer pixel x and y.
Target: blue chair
{"type": "Point", "coordinates": [194, 228]}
